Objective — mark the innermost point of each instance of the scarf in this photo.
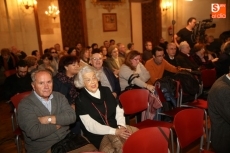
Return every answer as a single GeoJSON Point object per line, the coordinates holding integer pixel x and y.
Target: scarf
{"type": "Point", "coordinates": [73, 92]}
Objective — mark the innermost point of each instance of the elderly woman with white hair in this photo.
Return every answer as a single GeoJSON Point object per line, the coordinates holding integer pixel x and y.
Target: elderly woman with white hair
{"type": "Point", "coordinates": [98, 110]}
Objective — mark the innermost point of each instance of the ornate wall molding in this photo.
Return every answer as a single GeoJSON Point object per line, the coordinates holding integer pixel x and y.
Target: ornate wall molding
{"type": "Point", "coordinates": [108, 4]}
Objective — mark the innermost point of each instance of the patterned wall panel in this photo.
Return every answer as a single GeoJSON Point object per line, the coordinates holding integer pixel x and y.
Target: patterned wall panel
{"type": "Point", "coordinates": [151, 22]}
{"type": "Point", "coordinates": [72, 15]}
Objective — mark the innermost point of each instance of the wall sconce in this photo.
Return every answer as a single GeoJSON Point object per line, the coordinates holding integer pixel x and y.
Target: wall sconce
{"type": "Point", "coordinates": [27, 3]}
{"type": "Point", "coordinates": [166, 5]}
{"type": "Point", "coordinates": [52, 11]}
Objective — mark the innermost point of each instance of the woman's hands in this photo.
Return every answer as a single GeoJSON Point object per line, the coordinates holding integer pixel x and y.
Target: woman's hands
{"type": "Point", "coordinates": [123, 132]}
{"type": "Point", "coordinates": [150, 87]}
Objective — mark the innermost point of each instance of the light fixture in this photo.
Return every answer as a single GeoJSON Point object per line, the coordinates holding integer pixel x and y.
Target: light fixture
{"type": "Point", "coordinates": [52, 11]}
{"type": "Point", "coordinates": [166, 6]}
{"type": "Point", "coordinates": [28, 3]}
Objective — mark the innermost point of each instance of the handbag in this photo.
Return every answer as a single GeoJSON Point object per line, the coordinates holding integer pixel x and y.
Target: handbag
{"type": "Point", "coordinates": [132, 86]}
{"type": "Point", "coordinates": [71, 142]}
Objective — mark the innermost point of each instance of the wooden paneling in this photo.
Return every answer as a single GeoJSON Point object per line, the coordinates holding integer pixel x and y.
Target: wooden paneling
{"type": "Point", "coordinates": [73, 23]}
{"type": "Point", "coordinates": [151, 22]}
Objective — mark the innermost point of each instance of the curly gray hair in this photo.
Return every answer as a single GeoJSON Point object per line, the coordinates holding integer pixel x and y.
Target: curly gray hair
{"type": "Point", "coordinates": [79, 81]}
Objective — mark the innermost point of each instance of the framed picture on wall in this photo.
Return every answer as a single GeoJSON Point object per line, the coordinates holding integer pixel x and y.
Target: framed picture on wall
{"type": "Point", "coordinates": [109, 21]}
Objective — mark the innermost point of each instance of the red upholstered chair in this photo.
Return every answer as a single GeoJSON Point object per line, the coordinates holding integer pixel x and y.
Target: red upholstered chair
{"type": "Point", "coordinates": [188, 125]}
{"type": "Point", "coordinates": [208, 77]}
{"type": "Point", "coordinates": [136, 100]}
{"type": "Point", "coordinates": [148, 140]}
{"type": "Point", "coordinates": [16, 129]}
{"type": "Point", "coordinates": [202, 104]}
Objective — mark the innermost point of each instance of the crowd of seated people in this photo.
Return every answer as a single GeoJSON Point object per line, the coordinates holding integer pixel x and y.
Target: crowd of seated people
{"type": "Point", "coordinates": [103, 73]}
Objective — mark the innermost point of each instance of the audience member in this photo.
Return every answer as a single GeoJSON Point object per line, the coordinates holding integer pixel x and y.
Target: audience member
{"type": "Point", "coordinates": [130, 47]}
{"type": "Point", "coordinates": [186, 34]}
{"type": "Point", "coordinates": [78, 48]}
{"type": "Point", "coordinates": [107, 78]}
{"type": "Point", "coordinates": [111, 42]}
{"type": "Point", "coordinates": [202, 58]}
{"type": "Point", "coordinates": [63, 81]}
{"type": "Point", "coordinates": [114, 62]}
{"type": "Point", "coordinates": [106, 44]}
{"type": "Point", "coordinates": [218, 109]}
{"type": "Point", "coordinates": [213, 46]}
{"type": "Point", "coordinates": [157, 65]}
{"type": "Point", "coordinates": [55, 60]}
{"type": "Point", "coordinates": [32, 63]}
{"type": "Point", "coordinates": [223, 63]}
{"type": "Point", "coordinates": [104, 52]}
{"type": "Point", "coordinates": [163, 44]}
{"type": "Point", "coordinates": [47, 59]}
{"type": "Point", "coordinates": [19, 82]}
{"type": "Point", "coordinates": [184, 59]}
{"type": "Point", "coordinates": [57, 47]}
{"type": "Point", "coordinates": [20, 54]}
{"type": "Point", "coordinates": [94, 46]}
{"type": "Point", "coordinates": [147, 53]}
{"type": "Point", "coordinates": [97, 108]}
{"type": "Point", "coordinates": [44, 116]}
{"type": "Point", "coordinates": [170, 57]}
{"type": "Point", "coordinates": [133, 66]}
{"type": "Point", "coordinates": [7, 61]}
{"type": "Point", "coordinates": [37, 55]}
{"type": "Point", "coordinates": [84, 56]}
{"type": "Point", "coordinates": [121, 50]}
{"type": "Point", "coordinates": [73, 52]}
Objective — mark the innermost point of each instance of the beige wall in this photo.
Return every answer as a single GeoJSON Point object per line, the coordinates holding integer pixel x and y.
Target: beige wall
{"type": "Point", "coordinates": [137, 26]}
{"type": "Point", "coordinates": [17, 27]}
{"type": "Point", "coordinates": [50, 28]}
{"type": "Point", "coordinates": [95, 27]}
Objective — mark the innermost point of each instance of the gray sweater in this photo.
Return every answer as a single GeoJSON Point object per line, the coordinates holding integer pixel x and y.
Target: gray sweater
{"type": "Point", "coordinates": [219, 111]}
{"type": "Point", "coordinates": [40, 137]}
{"type": "Point", "coordinates": [126, 72]}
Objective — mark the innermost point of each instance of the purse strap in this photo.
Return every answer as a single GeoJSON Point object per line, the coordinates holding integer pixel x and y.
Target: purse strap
{"type": "Point", "coordinates": [132, 77]}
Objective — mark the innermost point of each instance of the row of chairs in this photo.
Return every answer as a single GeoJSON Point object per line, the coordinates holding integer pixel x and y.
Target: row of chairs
{"type": "Point", "coordinates": [136, 100]}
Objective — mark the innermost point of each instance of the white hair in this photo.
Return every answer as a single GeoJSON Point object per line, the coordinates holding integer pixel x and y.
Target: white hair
{"type": "Point", "coordinates": [182, 44]}
{"type": "Point", "coordinates": [79, 81]}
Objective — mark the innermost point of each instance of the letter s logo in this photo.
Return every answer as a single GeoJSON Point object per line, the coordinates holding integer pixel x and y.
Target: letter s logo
{"type": "Point", "coordinates": [215, 7]}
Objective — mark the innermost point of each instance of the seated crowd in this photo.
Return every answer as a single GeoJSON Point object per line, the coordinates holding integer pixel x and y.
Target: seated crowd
{"type": "Point", "coordinates": [77, 89]}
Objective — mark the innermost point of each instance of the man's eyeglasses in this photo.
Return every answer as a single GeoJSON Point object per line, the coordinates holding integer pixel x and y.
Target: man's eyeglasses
{"type": "Point", "coordinates": [97, 59]}
{"type": "Point", "coordinates": [53, 52]}
{"type": "Point", "coordinates": [160, 56]}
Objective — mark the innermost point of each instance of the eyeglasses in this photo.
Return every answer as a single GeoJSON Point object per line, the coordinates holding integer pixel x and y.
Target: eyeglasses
{"type": "Point", "coordinates": [137, 59]}
{"type": "Point", "coordinates": [53, 52]}
{"type": "Point", "coordinates": [160, 56]}
{"type": "Point", "coordinates": [96, 59]}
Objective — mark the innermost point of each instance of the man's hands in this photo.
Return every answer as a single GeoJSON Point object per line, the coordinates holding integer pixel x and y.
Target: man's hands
{"type": "Point", "coordinates": [44, 120]}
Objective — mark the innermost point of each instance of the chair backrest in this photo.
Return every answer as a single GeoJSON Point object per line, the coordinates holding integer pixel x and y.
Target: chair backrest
{"type": "Point", "coordinates": [18, 97]}
{"type": "Point", "coordinates": [8, 73]}
{"type": "Point", "coordinates": [149, 140]}
{"type": "Point", "coordinates": [208, 77]}
{"type": "Point", "coordinates": [188, 125]}
{"type": "Point", "coordinates": [134, 100]}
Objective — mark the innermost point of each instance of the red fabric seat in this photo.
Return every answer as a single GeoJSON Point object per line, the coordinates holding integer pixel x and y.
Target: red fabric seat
{"type": "Point", "coordinates": [148, 140]}
{"type": "Point", "coordinates": [136, 100]}
{"type": "Point", "coordinates": [188, 125]}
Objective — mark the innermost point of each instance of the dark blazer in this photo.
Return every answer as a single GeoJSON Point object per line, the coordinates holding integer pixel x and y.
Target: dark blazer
{"type": "Point", "coordinates": [114, 82]}
{"type": "Point", "coordinates": [186, 61]}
